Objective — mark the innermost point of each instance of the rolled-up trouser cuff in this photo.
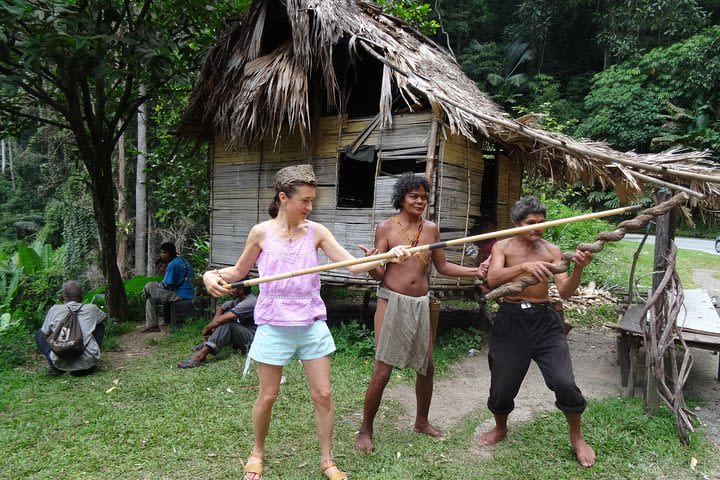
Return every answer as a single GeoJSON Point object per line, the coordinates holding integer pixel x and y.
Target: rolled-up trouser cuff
{"type": "Point", "coordinates": [571, 410]}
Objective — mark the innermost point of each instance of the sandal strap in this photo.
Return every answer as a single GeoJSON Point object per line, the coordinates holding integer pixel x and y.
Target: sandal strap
{"type": "Point", "coordinates": [339, 475]}
{"type": "Point", "coordinates": [255, 467]}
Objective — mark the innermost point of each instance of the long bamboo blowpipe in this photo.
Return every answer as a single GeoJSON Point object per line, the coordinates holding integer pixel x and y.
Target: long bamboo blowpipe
{"type": "Point", "coordinates": [433, 246]}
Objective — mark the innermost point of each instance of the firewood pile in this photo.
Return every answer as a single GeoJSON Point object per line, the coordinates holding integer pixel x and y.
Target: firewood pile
{"type": "Point", "coordinates": [585, 297]}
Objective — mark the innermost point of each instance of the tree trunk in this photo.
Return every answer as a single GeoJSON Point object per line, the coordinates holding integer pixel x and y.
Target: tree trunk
{"type": "Point", "coordinates": [2, 154]}
{"type": "Point", "coordinates": [122, 210]}
{"type": "Point", "coordinates": [140, 190]}
{"type": "Point", "coordinates": [10, 161]}
{"type": "Point", "coordinates": [98, 161]}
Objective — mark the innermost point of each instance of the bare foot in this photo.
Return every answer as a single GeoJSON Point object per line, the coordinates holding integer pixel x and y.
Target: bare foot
{"type": "Point", "coordinates": [584, 452]}
{"type": "Point", "coordinates": [428, 429]}
{"type": "Point", "coordinates": [493, 436]}
{"type": "Point", "coordinates": [364, 443]}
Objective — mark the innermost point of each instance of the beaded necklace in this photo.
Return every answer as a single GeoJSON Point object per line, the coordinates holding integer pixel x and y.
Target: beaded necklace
{"type": "Point", "coordinates": [413, 241]}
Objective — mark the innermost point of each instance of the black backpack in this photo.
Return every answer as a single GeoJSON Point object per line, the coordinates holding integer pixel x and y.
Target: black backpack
{"type": "Point", "coordinates": [66, 341]}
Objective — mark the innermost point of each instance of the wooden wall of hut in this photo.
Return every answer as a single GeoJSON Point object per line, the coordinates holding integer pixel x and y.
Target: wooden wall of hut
{"type": "Point", "coordinates": [242, 185]}
{"type": "Point", "coordinates": [510, 173]}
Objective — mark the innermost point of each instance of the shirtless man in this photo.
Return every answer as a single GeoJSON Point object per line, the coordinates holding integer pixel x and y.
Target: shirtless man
{"type": "Point", "coordinates": [402, 294]}
{"type": "Point", "coordinates": [527, 328]}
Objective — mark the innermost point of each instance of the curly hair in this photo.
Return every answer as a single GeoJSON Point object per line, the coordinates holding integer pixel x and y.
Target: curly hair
{"type": "Point", "coordinates": [526, 206]}
{"type": "Point", "coordinates": [407, 182]}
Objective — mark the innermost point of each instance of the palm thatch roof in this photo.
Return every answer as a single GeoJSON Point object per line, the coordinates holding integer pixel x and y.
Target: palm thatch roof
{"type": "Point", "coordinates": [265, 69]}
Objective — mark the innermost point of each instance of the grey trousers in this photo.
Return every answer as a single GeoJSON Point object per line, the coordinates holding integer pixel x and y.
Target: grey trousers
{"type": "Point", "coordinates": [230, 333]}
{"type": "Point", "coordinates": [154, 296]}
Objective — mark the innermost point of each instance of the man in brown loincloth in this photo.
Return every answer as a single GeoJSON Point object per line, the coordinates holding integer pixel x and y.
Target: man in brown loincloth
{"type": "Point", "coordinates": [402, 333]}
{"type": "Point", "coordinates": [527, 328]}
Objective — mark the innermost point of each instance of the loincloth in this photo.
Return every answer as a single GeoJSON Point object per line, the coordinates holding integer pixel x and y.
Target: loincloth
{"type": "Point", "coordinates": [405, 335]}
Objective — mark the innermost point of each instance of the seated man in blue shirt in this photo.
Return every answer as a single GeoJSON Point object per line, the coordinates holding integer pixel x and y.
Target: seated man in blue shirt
{"type": "Point", "coordinates": [232, 324]}
{"type": "Point", "coordinates": [178, 284]}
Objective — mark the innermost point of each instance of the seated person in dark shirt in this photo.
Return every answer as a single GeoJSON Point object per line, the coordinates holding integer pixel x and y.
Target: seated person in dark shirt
{"type": "Point", "coordinates": [232, 324]}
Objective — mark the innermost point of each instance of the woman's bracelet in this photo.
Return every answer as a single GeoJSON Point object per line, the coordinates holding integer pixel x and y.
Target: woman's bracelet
{"type": "Point", "coordinates": [217, 272]}
{"type": "Point", "coordinates": [383, 262]}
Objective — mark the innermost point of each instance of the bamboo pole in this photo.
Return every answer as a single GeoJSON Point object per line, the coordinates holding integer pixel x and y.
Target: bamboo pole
{"type": "Point", "coordinates": [433, 246]}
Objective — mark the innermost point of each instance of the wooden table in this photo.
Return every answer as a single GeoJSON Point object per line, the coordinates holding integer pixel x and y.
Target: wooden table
{"type": "Point", "coordinates": [700, 323]}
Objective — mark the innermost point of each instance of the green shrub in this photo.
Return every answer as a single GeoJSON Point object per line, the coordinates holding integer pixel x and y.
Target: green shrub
{"type": "Point", "coordinates": [593, 316]}
{"type": "Point", "coordinates": [133, 288]}
{"type": "Point", "coordinates": [354, 339]}
{"type": "Point", "coordinates": [17, 342]}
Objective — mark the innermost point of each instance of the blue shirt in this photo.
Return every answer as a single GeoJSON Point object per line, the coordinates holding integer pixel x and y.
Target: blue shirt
{"type": "Point", "coordinates": [179, 278]}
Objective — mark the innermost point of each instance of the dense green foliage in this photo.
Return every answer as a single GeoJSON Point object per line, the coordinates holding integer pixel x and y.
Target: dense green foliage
{"type": "Point", "coordinates": [82, 64]}
{"type": "Point", "coordinates": [414, 12]}
{"type": "Point", "coordinates": [656, 77]}
{"type": "Point", "coordinates": [669, 97]}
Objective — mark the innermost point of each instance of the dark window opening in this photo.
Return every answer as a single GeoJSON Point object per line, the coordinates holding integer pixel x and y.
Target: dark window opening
{"type": "Point", "coordinates": [362, 84]}
{"type": "Point", "coordinates": [356, 177]}
{"type": "Point", "coordinates": [398, 167]}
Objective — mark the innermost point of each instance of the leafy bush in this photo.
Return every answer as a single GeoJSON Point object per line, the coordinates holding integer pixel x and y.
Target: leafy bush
{"type": "Point", "coordinates": [17, 342]}
{"type": "Point", "coordinates": [593, 316]}
{"type": "Point", "coordinates": [200, 255]}
{"type": "Point", "coordinates": [133, 288]}
{"type": "Point", "coordinates": [354, 339]}
{"type": "Point", "coordinates": [568, 236]}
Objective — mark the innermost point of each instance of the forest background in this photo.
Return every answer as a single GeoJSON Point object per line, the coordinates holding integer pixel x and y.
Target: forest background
{"type": "Point", "coordinates": [93, 178]}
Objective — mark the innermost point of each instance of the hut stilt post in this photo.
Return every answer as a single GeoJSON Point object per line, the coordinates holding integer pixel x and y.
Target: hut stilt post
{"type": "Point", "coordinates": [664, 234]}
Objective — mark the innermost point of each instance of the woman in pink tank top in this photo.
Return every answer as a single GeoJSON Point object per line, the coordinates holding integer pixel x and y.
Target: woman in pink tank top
{"type": "Point", "coordinates": [290, 313]}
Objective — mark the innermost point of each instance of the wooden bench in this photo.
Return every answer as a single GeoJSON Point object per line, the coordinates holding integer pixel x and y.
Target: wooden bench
{"type": "Point", "coordinates": [700, 328]}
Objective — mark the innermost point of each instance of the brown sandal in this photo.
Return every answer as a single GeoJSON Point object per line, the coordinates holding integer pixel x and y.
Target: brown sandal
{"type": "Point", "coordinates": [335, 476]}
{"type": "Point", "coordinates": [255, 467]}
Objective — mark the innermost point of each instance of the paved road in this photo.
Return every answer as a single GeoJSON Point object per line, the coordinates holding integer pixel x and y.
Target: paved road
{"type": "Point", "coordinates": [682, 242]}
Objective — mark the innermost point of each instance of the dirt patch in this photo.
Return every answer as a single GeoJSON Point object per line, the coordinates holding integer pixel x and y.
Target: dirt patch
{"type": "Point", "coordinates": [465, 389]}
{"type": "Point", "coordinates": [134, 345]}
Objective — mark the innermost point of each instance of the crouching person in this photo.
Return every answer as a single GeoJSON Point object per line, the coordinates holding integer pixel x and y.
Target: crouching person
{"type": "Point", "coordinates": [233, 324]}
{"type": "Point", "coordinates": [91, 321]}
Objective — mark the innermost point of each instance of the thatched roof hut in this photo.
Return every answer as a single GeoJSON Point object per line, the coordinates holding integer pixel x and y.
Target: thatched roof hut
{"type": "Point", "coordinates": [318, 80]}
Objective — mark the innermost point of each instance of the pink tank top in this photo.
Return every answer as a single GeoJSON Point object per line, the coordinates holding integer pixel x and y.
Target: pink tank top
{"type": "Point", "coordinates": [292, 301]}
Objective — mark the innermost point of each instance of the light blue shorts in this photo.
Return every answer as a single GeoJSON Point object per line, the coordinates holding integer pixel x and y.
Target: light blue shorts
{"type": "Point", "coordinates": [276, 345]}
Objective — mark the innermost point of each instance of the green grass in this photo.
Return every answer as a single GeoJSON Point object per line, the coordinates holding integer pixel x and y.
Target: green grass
{"type": "Point", "coordinates": [150, 419]}
{"type": "Point", "coordinates": [613, 265]}
{"type": "Point", "coordinates": [592, 316]}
